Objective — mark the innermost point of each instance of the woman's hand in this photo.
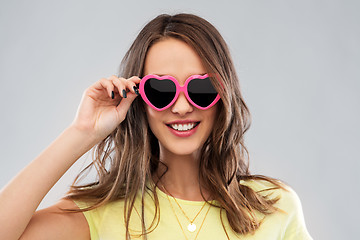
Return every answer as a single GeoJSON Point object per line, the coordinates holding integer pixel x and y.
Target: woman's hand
{"type": "Point", "coordinates": [99, 114]}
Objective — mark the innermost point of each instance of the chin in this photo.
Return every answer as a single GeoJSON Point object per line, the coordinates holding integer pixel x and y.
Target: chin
{"type": "Point", "coordinates": [184, 149]}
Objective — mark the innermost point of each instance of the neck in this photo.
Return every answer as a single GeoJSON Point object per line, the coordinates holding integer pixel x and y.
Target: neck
{"type": "Point", "coordinates": [182, 178]}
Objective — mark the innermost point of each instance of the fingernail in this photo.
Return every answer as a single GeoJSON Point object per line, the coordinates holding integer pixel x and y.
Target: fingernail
{"type": "Point", "coordinates": [136, 90]}
{"type": "Point", "coordinates": [124, 93]}
{"type": "Point", "coordinates": [112, 94]}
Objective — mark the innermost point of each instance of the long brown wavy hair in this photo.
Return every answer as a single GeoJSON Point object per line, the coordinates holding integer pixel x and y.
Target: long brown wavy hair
{"type": "Point", "coordinates": [126, 159]}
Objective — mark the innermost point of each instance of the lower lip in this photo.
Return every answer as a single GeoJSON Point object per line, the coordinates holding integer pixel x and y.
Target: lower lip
{"type": "Point", "coordinates": [187, 133]}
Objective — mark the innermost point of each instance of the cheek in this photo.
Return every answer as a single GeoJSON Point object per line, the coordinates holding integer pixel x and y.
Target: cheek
{"type": "Point", "coordinates": [149, 113]}
{"type": "Point", "coordinates": [153, 117]}
{"type": "Point", "coordinates": [211, 115]}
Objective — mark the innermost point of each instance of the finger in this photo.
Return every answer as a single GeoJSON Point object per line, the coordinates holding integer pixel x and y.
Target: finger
{"type": "Point", "coordinates": [131, 84]}
{"type": "Point", "coordinates": [104, 84]}
{"type": "Point", "coordinates": [120, 85]}
{"type": "Point", "coordinates": [135, 79]}
{"type": "Point", "coordinates": [126, 85]}
{"type": "Point", "coordinates": [124, 105]}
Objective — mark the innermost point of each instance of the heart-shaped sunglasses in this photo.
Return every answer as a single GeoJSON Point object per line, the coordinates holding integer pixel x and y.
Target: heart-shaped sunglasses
{"type": "Point", "coordinates": [161, 92]}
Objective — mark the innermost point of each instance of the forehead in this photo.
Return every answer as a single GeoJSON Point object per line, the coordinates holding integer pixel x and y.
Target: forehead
{"type": "Point", "coordinates": [173, 57]}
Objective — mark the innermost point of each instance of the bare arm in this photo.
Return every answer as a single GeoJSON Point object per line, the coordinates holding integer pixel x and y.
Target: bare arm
{"type": "Point", "coordinates": [97, 116]}
{"type": "Point", "coordinates": [52, 223]}
{"type": "Point", "coordinates": [25, 192]}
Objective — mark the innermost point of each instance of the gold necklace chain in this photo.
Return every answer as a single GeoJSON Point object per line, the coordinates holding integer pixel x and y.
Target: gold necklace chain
{"type": "Point", "coordinates": [191, 221]}
{"type": "Point", "coordinates": [180, 223]}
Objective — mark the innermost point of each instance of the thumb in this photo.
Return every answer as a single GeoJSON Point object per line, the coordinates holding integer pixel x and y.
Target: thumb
{"type": "Point", "coordinates": [124, 104]}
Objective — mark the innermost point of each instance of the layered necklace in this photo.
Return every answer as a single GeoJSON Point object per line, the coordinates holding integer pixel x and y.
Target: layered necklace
{"type": "Point", "coordinates": [191, 226]}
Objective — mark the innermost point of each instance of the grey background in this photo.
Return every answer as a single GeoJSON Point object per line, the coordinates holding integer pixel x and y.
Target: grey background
{"type": "Point", "coordinates": [297, 62]}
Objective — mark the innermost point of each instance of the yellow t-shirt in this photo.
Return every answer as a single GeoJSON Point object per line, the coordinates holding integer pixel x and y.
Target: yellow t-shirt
{"type": "Point", "coordinates": [107, 222]}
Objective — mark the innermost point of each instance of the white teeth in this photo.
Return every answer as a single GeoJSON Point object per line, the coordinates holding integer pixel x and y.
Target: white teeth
{"type": "Point", "coordinates": [183, 127]}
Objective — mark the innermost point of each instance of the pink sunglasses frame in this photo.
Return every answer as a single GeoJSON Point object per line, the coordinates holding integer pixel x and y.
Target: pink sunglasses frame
{"type": "Point", "coordinates": [178, 90]}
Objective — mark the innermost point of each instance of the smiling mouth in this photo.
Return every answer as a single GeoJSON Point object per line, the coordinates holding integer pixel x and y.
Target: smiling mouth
{"type": "Point", "coordinates": [183, 127]}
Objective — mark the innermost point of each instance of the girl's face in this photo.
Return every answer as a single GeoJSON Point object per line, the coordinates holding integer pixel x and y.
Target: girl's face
{"type": "Point", "coordinates": [174, 57]}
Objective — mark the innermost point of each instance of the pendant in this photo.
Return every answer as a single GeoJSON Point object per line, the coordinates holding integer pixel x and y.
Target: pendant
{"type": "Point", "coordinates": [191, 227]}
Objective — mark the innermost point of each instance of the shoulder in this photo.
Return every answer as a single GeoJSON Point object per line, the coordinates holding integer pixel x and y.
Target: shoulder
{"type": "Point", "coordinates": [290, 215]}
{"type": "Point", "coordinates": [289, 200]}
{"type": "Point", "coordinates": [107, 216]}
{"type": "Point", "coordinates": [53, 221]}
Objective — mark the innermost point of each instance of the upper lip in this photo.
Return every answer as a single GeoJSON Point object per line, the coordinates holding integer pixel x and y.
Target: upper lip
{"type": "Point", "coordinates": [181, 122]}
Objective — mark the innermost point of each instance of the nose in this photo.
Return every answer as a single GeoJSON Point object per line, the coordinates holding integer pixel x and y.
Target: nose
{"type": "Point", "coordinates": [182, 106]}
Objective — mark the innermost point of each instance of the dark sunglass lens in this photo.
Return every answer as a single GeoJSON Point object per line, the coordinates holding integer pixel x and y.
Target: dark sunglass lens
{"type": "Point", "coordinates": [202, 92]}
{"type": "Point", "coordinates": [160, 92]}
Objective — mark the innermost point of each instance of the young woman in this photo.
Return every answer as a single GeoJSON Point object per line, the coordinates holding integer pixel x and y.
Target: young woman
{"type": "Point", "coordinates": [168, 133]}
